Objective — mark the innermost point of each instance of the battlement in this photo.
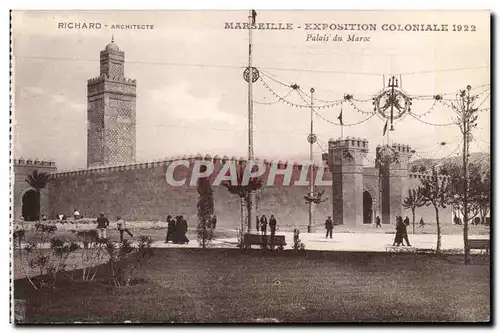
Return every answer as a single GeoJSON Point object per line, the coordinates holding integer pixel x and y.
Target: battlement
{"type": "Point", "coordinates": [217, 160]}
{"type": "Point", "coordinates": [420, 175]}
{"type": "Point", "coordinates": [103, 78]}
{"type": "Point", "coordinates": [97, 79]}
{"type": "Point", "coordinates": [30, 162]}
{"type": "Point", "coordinates": [401, 148]}
{"type": "Point", "coordinates": [348, 142]}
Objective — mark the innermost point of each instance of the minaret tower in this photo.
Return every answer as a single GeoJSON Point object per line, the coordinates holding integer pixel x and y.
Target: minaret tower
{"type": "Point", "coordinates": [111, 100]}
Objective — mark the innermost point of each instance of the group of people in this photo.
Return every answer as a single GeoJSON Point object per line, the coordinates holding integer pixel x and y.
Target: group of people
{"type": "Point", "coordinates": [177, 229]}
{"type": "Point", "coordinates": [103, 224]}
{"type": "Point", "coordinates": [406, 222]}
{"type": "Point", "coordinates": [401, 232]}
{"type": "Point", "coordinates": [262, 223]}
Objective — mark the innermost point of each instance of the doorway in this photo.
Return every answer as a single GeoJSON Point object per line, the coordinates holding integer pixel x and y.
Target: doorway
{"type": "Point", "coordinates": [31, 205]}
{"type": "Point", "coordinates": [367, 207]}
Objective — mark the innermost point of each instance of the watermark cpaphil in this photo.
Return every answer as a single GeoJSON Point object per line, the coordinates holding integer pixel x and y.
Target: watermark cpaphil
{"type": "Point", "coordinates": [186, 172]}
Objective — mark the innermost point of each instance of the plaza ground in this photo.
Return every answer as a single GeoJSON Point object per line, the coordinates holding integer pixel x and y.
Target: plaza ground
{"type": "Point", "coordinates": [223, 285]}
{"type": "Point", "coordinates": [345, 238]}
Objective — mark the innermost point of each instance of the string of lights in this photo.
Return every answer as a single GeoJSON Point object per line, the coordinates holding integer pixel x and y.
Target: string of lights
{"type": "Point", "coordinates": [451, 93]}
{"type": "Point", "coordinates": [439, 160]}
{"type": "Point", "coordinates": [328, 120]}
{"type": "Point", "coordinates": [275, 101]}
{"type": "Point", "coordinates": [321, 148]}
{"type": "Point", "coordinates": [428, 123]}
{"type": "Point", "coordinates": [428, 111]}
{"type": "Point", "coordinates": [295, 88]}
{"type": "Point", "coordinates": [357, 109]}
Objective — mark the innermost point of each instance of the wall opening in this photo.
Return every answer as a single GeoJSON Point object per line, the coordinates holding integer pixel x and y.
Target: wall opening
{"type": "Point", "coordinates": [367, 208]}
{"type": "Point", "coordinates": [31, 206]}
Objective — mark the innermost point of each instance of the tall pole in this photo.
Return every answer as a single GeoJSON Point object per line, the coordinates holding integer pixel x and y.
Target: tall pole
{"type": "Point", "coordinates": [311, 168]}
{"type": "Point", "coordinates": [251, 195]}
{"type": "Point", "coordinates": [465, 132]}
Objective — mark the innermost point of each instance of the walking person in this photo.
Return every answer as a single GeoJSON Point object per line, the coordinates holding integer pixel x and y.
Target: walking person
{"type": "Point", "coordinates": [214, 221]}
{"type": "Point", "coordinates": [263, 225]}
{"type": "Point", "coordinates": [184, 230]}
{"type": "Point", "coordinates": [257, 223]}
{"type": "Point", "coordinates": [176, 230]}
{"type": "Point", "coordinates": [407, 221]}
{"type": "Point", "coordinates": [272, 226]}
{"type": "Point", "coordinates": [377, 222]}
{"type": "Point", "coordinates": [404, 232]}
{"type": "Point", "coordinates": [122, 228]}
{"type": "Point", "coordinates": [329, 226]}
{"type": "Point", "coordinates": [421, 223]}
{"type": "Point", "coordinates": [170, 229]}
{"type": "Point", "coordinates": [398, 238]}
{"type": "Point", "coordinates": [102, 225]}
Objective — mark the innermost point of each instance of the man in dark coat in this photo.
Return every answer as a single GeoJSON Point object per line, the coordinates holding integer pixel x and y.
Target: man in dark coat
{"type": "Point", "coordinates": [272, 225]}
{"type": "Point", "coordinates": [263, 224]}
{"type": "Point", "coordinates": [398, 238]}
{"type": "Point", "coordinates": [407, 221]}
{"type": "Point", "coordinates": [214, 221]}
{"type": "Point", "coordinates": [329, 226]}
{"type": "Point", "coordinates": [177, 232]}
{"type": "Point", "coordinates": [184, 229]}
{"type": "Point", "coordinates": [102, 225]}
{"type": "Point", "coordinates": [404, 232]}
{"type": "Point", "coordinates": [377, 222]}
{"type": "Point", "coordinates": [170, 229]}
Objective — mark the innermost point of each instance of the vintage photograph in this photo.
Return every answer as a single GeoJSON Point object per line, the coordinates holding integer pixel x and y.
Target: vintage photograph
{"type": "Point", "coordinates": [250, 166]}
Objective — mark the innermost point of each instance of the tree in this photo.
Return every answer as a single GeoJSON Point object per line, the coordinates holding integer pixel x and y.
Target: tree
{"type": "Point", "coordinates": [474, 187]}
{"type": "Point", "coordinates": [412, 201]}
{"type": "Point", "coordinates": [38, 181]}
{"type": "Point", "coordinates": [466, 121]}
{"type": "Point", "coordinates": [243, 192]}
{"type": "Point", "coordinates": [205, 212]}
{"type": "Point", "coordinates": [435, 192]}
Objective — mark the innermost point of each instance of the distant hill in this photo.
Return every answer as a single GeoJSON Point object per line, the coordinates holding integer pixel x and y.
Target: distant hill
{"type": "Point", "coordinates": [481, 159]}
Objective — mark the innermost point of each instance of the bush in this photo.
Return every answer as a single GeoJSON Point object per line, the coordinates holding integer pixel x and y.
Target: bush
{"type": "Point", "coordinates": [297, 243]}
{"type": "Point", "coordinates": [47, 265]}
{"type": "Point", "coordinates": [124, 259]}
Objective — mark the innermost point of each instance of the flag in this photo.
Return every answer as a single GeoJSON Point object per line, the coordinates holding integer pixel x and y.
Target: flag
{"type": "Point", "coordinates": [385, 127]}
{"type": "Point", "coordinates": [254, 15]}
{"type": "Point", "coordinates": [340, 118]}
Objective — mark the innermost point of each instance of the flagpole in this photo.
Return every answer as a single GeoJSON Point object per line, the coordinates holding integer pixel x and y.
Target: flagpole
{"type": "Point", "coordinates": [341, 121]}
{"type": "Point", "coordinates": [251, 21]}
{"type": "Point", "coordinates": [311, 168]}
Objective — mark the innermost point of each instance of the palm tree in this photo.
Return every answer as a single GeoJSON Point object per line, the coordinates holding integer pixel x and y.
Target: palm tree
{"type": "Point", "coordinates": [38, 181]}
{"type": "Point", "coordinates": [412, 201]}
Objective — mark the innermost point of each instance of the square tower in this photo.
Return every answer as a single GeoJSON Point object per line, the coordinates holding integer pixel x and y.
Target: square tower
{"type": "Point", "coordinates": [392, 162]}
{"type": "Point", "coordinates": [111, 103]}
{"type": "Point", "coordinates": [345, 158]}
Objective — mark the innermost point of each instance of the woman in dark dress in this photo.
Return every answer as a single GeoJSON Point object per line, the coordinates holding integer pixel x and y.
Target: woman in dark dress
{"type": "Point", "coordinates": [398, 239]}
{"type": "Point", "coordinates": [170, 229]}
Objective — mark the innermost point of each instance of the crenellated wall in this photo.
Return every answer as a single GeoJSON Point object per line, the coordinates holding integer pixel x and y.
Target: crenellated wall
{"type": "Point", "coordinates": [140, 192]}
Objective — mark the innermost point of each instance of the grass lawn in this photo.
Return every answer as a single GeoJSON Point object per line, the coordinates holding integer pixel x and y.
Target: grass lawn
{"type": "Point", "coordinates": [224, 285]}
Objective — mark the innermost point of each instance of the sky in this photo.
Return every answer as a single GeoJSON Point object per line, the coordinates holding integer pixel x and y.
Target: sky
{"type": "Point", "coordinates": [191, 96]}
